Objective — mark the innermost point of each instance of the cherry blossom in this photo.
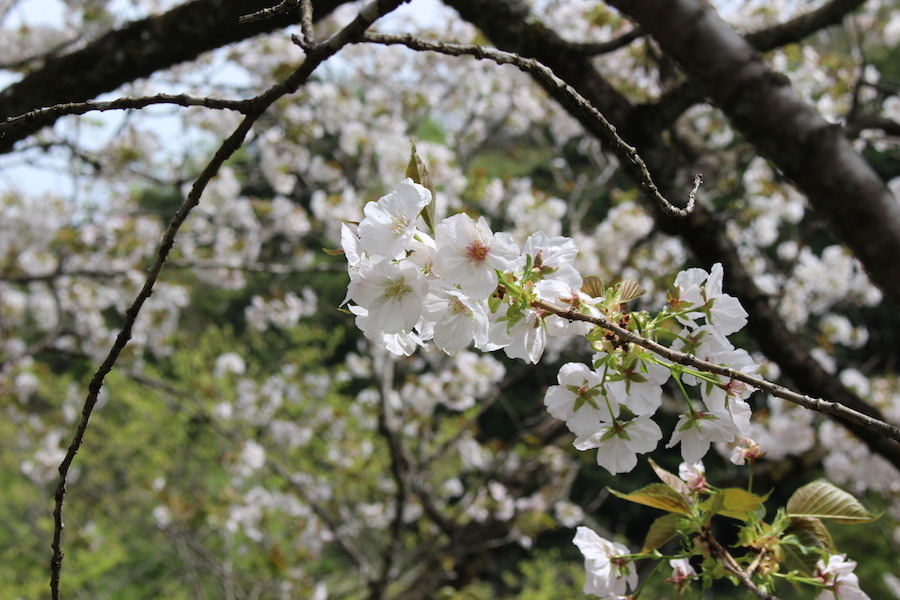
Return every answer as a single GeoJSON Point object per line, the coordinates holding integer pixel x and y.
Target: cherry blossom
{"type": "Point", "coordinates": [458, 320]}
{"type": "Point", "coordinates": [701, 292]}
{"type": "Point", "coordinates": [839, 578]}
{"type": "Point", "coordinates": [682, 572]}
{"type": "Point", "coordinates": [696, 430]}
{"type": "Point", "coordinates": [469, 254]}
{"type": "Point", "coordinates": [607, 576]}
{"type": "Point", "coordinates": [393, 294]}
{"type": "Point", "coordinates": [390, 222]}
{"type": "Point", "coordinates": [618, 443]}
{"type": "Point", "coordinates": [579, 396]}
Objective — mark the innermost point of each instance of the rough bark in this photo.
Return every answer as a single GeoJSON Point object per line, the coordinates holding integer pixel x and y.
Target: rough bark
{"type": "Point", "coordinates": [764, 108]}
{"type": "Point", "coordinates": [139, 49]}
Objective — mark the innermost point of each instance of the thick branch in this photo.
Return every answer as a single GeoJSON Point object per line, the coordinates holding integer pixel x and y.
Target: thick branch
{"type": "Point", "coordinates": [137, 50]}
{"type": "Point", "coordinates": [762, 105]}
{"type": "Point", "coordinates": [796, 29]}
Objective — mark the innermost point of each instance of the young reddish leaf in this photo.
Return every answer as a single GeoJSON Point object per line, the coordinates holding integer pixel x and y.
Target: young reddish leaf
{"type": "Point", "coordinates": [659, 496]}
{"type": "Point", "coordinates": [824, 500]}
{"type": "Point", "coordinates": [670, 479]}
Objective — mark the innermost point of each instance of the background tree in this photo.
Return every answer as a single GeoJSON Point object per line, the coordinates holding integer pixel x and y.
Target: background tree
{"type": "Point", "coordinates": [246, 441]}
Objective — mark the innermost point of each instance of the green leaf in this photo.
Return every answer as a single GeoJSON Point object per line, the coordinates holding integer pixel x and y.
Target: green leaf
{"type": "Point", "coordinates": [417, 171]}
{"type": "Point", "coordinates": [736, 503]}
{"type": "Point", "coordinates": [824, 500]}
{"type": "Point", "coordinates": [809, 533]}
{"type": "Point", "coordinates": [659, 496]}
{"type": "Point", "coordinates": [661, 531]}
{"type": "Point", "coordinates": [670, 479]}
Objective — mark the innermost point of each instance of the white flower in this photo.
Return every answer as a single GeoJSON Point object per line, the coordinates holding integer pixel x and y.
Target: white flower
{"type": "Point", "coordinates": [606, 575]}
{"type": "Point", "coordinates": [682, 572]}
{"type": "Point", "coordinates": [697, 289]}
{"type": "Point", "coordinates": [579, 396]}
{"type": "Point", "coordinates": [390, 222]}
{"type": "Point", "coordinates": [350, 245]}
{"type": "Point", "coordinates": [693, 474]}
{"type": "Point", "coordinates": [618, 443]}
{"type": "Point", "coordinates": [457, 318]}
{"type": "Point", "coordinates": [696, 430]}
{"type": "Point", "coordinates": [468, 254]}
{"type": "Point", "coordinates": [403, 343]}
{"type": "Point", "coordinates": [527, 338]}
{"type": "Point", "coordinates": [726, 313]}
{"type": "Point", "coordinates": [839, 577]}
{"type": "Point", "coordinates": [392, 293]}
{"type": "Point", "coordinates": [640, 388]}
{"type": "Point", "coordinates": [552, 257]}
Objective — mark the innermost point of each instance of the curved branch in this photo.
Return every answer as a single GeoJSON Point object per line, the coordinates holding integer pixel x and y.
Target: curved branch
{"type": "Point", "coordinates": [509, 25]}
{"type": "Point", "coordinates": [315, 57]}
{"type": "Point", "coordinates": [802, 26]}
{"type": "Point", "coordinates": [575, 101]}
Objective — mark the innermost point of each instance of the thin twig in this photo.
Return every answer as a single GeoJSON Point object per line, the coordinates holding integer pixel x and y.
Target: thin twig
{"type": "Point", "coordinates": [682, 358]}
{"type": "Point", "coordinates": [257, 106]}
{"type": "Point", "coordinates": [42, 116]}
{"type": "Point", "coordinates": [267, 13]}
{"type": "Point", "coordinates": [400, 472]}
{"type": "Point", "coordinates": [628, 154]}
{"type": "Point", "coordinates": [597, 48]}
{"type": "Point", "coordinates": [733, 567]}
{"type": "Point", "coordinates": [306, 23]}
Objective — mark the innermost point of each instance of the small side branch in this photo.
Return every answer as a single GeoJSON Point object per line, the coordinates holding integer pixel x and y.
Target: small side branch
{"type": "Point", "coordinates": [267, 13]}
{"type": "Point", "coordinates": [731, 565]}
{"type": "Point", "coordinates": [45, 116]}
{"type": "Point", "coordinates": [628, 154]}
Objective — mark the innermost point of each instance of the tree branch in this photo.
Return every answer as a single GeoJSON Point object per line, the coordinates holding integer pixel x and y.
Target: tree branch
{"type": "Point", "coordinates": [732, 566]}
{"type": "Point", "coordinates": [135, 50]}
{"type": "Point", "coordinates": [368, 15]}
{"type": "Point", "coordinates": [14, 127]}
{"type": "Point", "coordinates": [682, 358]}
{"type": "Point", "coordinates": [626, 153]}
{"type": "Point", "coordinates": [791, 32]}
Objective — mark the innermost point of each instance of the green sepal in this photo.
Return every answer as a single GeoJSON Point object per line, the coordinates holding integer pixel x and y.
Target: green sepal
{"type": "Point", "coordinates": [417, 171]}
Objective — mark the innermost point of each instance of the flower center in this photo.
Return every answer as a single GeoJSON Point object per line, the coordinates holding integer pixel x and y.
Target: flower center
{"type": "Point", "coordinates": [458, 308]}
{"type": "Point", "coordinates": [478, 251]}
{"type": "Point", "coordinates": [400, 223]}
{"type": "Point", "coordinates": [397, 290]}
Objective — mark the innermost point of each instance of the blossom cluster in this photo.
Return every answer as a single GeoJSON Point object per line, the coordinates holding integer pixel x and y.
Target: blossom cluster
{"type": "Point", "coordinates": [408, 287]}
{"type": "Point", "coordinates": [470, 285]}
